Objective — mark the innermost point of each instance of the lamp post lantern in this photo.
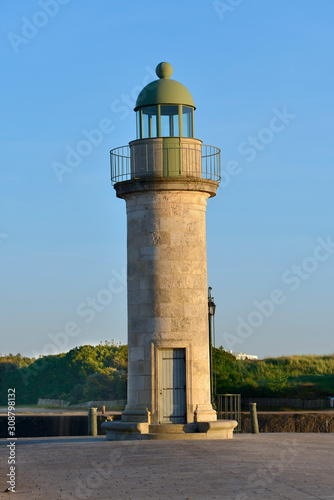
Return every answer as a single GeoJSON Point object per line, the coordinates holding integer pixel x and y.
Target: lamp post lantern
{"type": "Point", "coordinates": [166, 177]}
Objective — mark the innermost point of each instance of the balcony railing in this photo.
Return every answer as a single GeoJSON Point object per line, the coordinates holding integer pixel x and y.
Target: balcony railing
{"type": "Point", "coordinates": [145, 161]}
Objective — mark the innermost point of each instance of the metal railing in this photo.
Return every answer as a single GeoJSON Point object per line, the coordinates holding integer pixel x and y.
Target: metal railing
{"type": "Point", "coordinates": [229, 408]}
{"type": "Point", "coordinates": [154, 160]}
{"type": "Point", "coordinates": [120, 163]}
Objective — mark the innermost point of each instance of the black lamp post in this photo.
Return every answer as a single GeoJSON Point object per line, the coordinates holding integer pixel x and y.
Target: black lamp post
{"type": "Point", "coordinates": [211, 313]}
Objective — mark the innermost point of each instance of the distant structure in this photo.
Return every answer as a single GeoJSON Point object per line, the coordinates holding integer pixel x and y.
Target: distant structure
{"type": "Point", "coordinates": [165, 177]}
{"type": "Point", "coordinates": [243, 355]}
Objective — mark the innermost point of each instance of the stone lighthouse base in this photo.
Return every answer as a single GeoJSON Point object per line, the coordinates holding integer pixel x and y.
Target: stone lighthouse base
{"type": "Point", "coordinates": [125, 431]}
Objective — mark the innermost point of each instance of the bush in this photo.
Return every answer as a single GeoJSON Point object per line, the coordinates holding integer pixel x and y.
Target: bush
{"type": "Point", "coordinates": [82, 372]}
{"type": "Point", "coordinates": [306, 377]}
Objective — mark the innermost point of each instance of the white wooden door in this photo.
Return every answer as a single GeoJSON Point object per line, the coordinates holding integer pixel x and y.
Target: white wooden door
{"type": "Point", "coordinates": [172, 386]}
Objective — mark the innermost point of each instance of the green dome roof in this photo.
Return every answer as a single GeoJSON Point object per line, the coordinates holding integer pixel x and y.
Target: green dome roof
{"type": "Point", "coordinates": [164, 90]}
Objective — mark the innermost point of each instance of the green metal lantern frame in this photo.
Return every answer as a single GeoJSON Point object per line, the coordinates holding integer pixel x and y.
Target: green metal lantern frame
{"type": "Point", "coordinates": [180, 118]}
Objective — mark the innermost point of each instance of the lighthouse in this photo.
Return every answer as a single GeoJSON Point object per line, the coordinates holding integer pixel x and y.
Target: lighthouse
{"type": "Point", "coordinates": [166, 177]}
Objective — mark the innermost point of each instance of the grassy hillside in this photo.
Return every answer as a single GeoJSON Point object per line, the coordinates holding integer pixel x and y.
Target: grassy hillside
{"type": "Point", "coordinates": [306, 377]}
{"type": "Point", "coordinates": [99, 373]}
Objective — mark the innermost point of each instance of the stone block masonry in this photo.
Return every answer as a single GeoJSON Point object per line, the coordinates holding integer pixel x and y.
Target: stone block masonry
{"type": "Point", "coordinates": [167, 289]}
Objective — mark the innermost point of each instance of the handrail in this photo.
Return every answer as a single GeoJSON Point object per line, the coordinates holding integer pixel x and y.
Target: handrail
{"type": "Point", "coordinates": [146, 161]}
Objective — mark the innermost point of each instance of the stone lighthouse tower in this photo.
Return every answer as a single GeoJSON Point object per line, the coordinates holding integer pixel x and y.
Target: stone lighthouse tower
{"type": "Point", "coordinates": [166, 177]}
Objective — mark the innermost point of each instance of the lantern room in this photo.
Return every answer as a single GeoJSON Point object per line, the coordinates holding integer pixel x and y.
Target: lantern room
{"type": "Point", "coordinates": [164, 108]}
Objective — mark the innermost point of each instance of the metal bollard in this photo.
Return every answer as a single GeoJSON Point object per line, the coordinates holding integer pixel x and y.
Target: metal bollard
{"type": "Point", "coordinates": [92, 422]}
{"type": "Point", "coordinates": [253, 418]}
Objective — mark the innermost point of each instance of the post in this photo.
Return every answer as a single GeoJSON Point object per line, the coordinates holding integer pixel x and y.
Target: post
{"type": "Point", "coordinates": [253, 418]}
{"type": "Point", "coordinates": [211, 360]}
{"type": "Point", "coordinates": [92, 422]}
{"type": "Point", "coordinates": [211, 313]}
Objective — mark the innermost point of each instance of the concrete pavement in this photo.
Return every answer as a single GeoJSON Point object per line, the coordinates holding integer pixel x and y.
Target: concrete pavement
{"type": "Point", "coordinates": [269, 466]}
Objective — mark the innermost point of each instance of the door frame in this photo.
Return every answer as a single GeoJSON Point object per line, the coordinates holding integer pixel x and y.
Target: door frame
{"type": "Point", "coordinates": [155, 417]}
{"type": "Point", "coordinates": [181, 410]}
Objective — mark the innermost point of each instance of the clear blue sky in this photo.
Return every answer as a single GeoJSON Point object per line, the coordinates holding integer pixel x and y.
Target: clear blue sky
{"type": "Point", "coordinates": [261, 75]}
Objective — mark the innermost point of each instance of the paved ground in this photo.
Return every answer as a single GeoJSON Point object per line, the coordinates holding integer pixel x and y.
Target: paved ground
{"type": "Point", "coordinates": [268, 466]}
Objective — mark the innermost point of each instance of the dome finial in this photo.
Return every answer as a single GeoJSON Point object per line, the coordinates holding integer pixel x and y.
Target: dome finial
{"type": "Point", "coordinates": [164, 70]}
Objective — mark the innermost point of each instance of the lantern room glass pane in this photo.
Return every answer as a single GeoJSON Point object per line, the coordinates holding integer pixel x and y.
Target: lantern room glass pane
{"type": "Point", "coordinates": [187, 120]}
{"type": "Point", "coordinates": [169, 121]}
{"type": "Point", "coordinates": [138, 124]}
{"type": "Point", "coordinates": [149, 122]}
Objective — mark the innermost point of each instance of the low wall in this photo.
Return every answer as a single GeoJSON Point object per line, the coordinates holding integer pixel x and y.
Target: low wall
{"type": "Point", "coordinates": [53, 402]}
{"type": "Point", "coordinates": [49, 425]}
{"type": "Point", "coordinates": [116, 403]}
{"type": "Point", "coordinates": [290, 422]}
{"type": "Point", "coordinates": [287, 402]}
{"type": "Point", "coordinates": [77, 425]}
{"type": "Point", "coordinates": [46, 425]}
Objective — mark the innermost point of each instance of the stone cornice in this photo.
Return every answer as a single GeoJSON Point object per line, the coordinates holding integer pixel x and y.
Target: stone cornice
{"type": "Point", "coordinates": [166, 184]}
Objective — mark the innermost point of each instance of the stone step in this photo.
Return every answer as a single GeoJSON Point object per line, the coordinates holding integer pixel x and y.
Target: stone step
{"type": "Point", "coordinates": [172, 428]}
{"type": "Point", "coordinates": [119, 431]}
{"type": "Point", "coordinates": [168, 436]}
